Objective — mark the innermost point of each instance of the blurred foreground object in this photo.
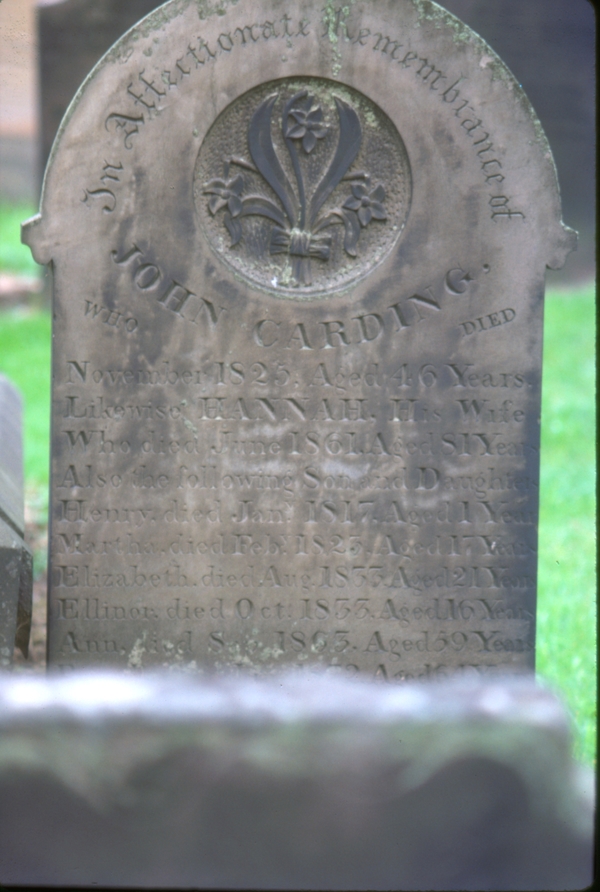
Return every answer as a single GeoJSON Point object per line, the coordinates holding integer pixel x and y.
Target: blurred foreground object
{"type": "Point", "coordinates": [300, 781]}
{"type": "Point", "coordinates": [16, 576]}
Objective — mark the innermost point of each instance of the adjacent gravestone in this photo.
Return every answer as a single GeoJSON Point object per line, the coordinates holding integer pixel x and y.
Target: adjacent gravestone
{"type": "Point", "coordinates": [15, 556]}
{"type": "Point", "coordinates": [299, 257]}
{"type": "Point", "coordinates": [279, 783]}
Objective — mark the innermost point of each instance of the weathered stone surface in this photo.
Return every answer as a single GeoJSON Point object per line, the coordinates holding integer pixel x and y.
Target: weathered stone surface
{"type": "Point", "coordinates": [11, 456]}
{"type": "Point", "coordinates": [16, 582]}
{"type": "Point", "coordinates": [72, 36]}
{"type": "Point", "coordinates": [547, 44]}
{"type": "Point", "coordinates": [15, 556]}
{"type": "Point", "coordinates": [299, 268]}
{"type": "Point", "coordinates": [289, 783]}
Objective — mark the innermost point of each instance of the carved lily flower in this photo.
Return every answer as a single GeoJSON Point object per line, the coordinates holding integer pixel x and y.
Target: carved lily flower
{"type": "Point", "coordinates": [225, 194]}
{"type": "Point", "coordinates": [309, 126]}
{"type": "Point", "coordinates": [369, 205]}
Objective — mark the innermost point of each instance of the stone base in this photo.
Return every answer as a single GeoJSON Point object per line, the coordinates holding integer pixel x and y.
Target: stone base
{"type": "Point", "coordinates": [292, 782]}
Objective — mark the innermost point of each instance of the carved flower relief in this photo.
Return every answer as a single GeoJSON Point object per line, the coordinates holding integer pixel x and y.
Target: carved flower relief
{"type": "Point", "coordinates": [298, 224]}
{"type": "Point", "coordinates": [226, 194]}
{"type": "Point", "coordinates": [368, 205]}
{"type": "Point", "coordinates": [308, 126]}
{"type": "Point", "coordinates": [302, 186]}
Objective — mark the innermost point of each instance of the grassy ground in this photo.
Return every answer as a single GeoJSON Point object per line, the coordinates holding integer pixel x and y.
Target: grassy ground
{"type": "Point", "coordinates": [25, 358]}
{"type": "Point", "coordinates": [566, 644]}
{"type": "Point", "coordinates": [566, 605]}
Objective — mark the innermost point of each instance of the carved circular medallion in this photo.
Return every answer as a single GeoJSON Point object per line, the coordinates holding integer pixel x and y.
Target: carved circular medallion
{"type": "Point", "coordinates": [302, 186]}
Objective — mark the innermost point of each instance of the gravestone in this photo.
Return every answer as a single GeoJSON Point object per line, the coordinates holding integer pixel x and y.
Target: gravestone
{"type": "Point", "coordinates": [299, 258]}
{"type": "Point", "coordinates": [72, 36]}
{"type": "Point", "coordinates": [547, 44]}
{"type": "Point", "coordinates": [15, 557]}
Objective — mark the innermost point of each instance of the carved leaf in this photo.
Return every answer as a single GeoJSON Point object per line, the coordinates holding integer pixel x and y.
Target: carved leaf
{"type": "Point", "coordinates": [348, 147]}
{"type": "Point", "coordinates": [378, 211]}
{"type": "Point", "coordinates": [352, 231]}
{"type": "Point", "coordinates": [256, 204]}
{"type": "Point", "coordinates": [309, 141]}
{"type": "Point", "coordinates": [364, 216]}
{"type": "Point", "coordinates": [235, 206]}
{"type": "Point", "coordinates": [297, 131]}
{"type": "Point", "coordinates": [234, 227]}
{"type": "Point", "coordinates": [216, 204]}
{"type": "Point", "coordinates": [263, 154]}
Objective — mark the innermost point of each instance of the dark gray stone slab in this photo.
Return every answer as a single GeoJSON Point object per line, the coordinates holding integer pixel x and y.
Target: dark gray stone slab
{"type": "Point", "coordinates": [299, 270]}
{"type": "Point", "coordinates": [15, 557]}
{"type": "Point", "coordinates": [289, 783]}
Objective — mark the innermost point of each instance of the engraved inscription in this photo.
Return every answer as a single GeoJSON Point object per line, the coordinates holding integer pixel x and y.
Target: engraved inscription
{"type": "Point", "coordinates": [321, 509]}
{"type": "Point", "coordinates": [296, 374]}
{"type": "Point", "coordinates": [112, 174]}
{"type": "Point", "coordinates": [127, 125]}
{"type": "Point", "coordinates": [400, 52]}
{"type": "Point", "coordinates": [491, 320]}
{"type": "Point", "coordinates": [111, 318]}
{"type": "Point", "coordinates": [170, 294]}
{"type": "Point", "coordinates": [145, 89]}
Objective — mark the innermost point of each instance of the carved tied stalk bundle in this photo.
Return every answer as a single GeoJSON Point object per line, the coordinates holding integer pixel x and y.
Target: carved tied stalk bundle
{"type": "Point", "coordinates": [298, 227]}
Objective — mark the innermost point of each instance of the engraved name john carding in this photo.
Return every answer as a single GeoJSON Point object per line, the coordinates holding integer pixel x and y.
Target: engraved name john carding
{"type": "Point", "coordinates": [302, 186]}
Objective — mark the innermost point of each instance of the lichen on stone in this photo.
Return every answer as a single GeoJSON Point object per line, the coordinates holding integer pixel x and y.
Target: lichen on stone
{"type": "Point", "coordinates": [208, 8]}
{"type": "Point", "coordinates": [331, 15]}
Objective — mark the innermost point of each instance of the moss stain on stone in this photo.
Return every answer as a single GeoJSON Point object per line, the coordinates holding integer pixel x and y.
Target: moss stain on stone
{"type": "Point", "coordinates": [137, 652]}
{"type": "Point", "coordinates": [331, 18]}
{"type": "Point", "coordinates": [428, 11]}
{"type": "Point", "coordinates": [208, 8]}
{"type": "Point", "coordinates": [152, 22]}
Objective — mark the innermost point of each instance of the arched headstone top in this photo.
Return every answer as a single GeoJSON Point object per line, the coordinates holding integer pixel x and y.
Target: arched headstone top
{"type": "Point", "coordinates": [150, 101]}
{"type": "Point", "coordinates": [299, 255]}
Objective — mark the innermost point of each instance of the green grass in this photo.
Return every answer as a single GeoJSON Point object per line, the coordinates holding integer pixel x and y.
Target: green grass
{"type": "Point", "coordinates": [25, 346]}
{"type": "Point", "coordinates": [566, 603]}
{"type": "Point", "coordinates": [25, 337]}
{"type": "Point", "coordinates": [15, 257]}
{"type": "Point", "coordinates": [566, 643]}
